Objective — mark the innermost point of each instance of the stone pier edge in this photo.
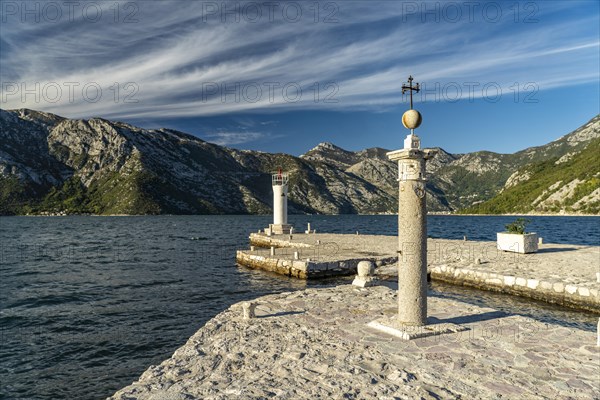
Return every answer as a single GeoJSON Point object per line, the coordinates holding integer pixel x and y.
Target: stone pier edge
{"type": "Point", "coordinates": [305, 269]}
{"type": "Point", "coordinates": [569, 295]}
{"type": "Point", "coordinates": [555, 292]}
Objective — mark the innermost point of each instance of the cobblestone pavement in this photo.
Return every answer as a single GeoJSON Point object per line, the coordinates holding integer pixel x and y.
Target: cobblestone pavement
{"type": "Point", "coordinates": [315, 344]}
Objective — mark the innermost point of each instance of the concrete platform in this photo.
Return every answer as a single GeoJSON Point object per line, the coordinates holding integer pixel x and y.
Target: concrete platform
{"type": "Point", "coordinates": [557, 273]}
{"type": "Point", "coordinates": [317, 343]}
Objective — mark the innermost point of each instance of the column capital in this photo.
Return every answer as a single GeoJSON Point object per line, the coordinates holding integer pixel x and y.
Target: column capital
{"type": "Point", "coordinates": [414, 154]}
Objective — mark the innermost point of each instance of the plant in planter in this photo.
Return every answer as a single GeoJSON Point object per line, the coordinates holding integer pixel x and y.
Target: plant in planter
{"type": "Point", "coordinates": [515, 238]}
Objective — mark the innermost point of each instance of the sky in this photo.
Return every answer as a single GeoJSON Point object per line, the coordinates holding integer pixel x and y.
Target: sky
{"type": "Point", "coordinates": [283, 76]}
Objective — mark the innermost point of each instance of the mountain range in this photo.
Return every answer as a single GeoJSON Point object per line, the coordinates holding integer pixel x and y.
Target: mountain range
{"type": "Point", "coordinates": [51, 164]}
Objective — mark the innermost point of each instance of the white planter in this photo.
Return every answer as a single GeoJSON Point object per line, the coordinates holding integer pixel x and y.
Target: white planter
{"type": "Point", "coordinates": [527, 243]}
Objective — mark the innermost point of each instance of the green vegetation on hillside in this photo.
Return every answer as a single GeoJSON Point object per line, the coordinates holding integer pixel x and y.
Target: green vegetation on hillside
{"type": "Point", "coordinates": [13, 197]}
{"type": "Point", "coordinates": [527, 196]}
{"type": "Point", "coordinates": [103, 167]}
{"type": "Point", "coordinates": [71, 197]}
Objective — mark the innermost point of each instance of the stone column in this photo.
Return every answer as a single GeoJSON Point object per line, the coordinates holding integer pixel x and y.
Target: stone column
{"type": "Point", "coordinates": [412, 236]}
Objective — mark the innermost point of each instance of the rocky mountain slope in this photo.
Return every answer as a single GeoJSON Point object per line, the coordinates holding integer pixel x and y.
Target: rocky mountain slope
{"type": "Point", "coordinates": [570, 183]}
{"type": "Point", "coordinates": [52, 164]}
{"type": "Point", "coordinates": [57, 165]}
{"type": "Point", "coordinates": [476, 177]}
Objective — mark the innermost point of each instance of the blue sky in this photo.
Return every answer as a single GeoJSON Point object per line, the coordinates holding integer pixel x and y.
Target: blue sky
{"type": "Point", "coordinates": [283, 76]}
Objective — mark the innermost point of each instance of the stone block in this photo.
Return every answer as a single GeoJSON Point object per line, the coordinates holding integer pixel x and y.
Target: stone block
{"type": "Point", "coordinates": [521, 282]}
{"type": "Point", "coordinates": [300, 265]}
{"type": "Point", "coordinates": [571, 289]}
{"type": "Point", "coordinates": [546, 285]}
{"type": "Point", "coordinates": [583, 291]}
{"type": "Point", "coordinates": [249, 309]}
{"type": "Point", "coordinates": [494, 281]}
{"type": "Point", "coordinates": [363, 281]}
{"type": "Point", "coordinates": [509, 280]}
{"type": "Point", "coordinates": [532, 283]}
{"type": "Point", "coordinates": [559, 287]}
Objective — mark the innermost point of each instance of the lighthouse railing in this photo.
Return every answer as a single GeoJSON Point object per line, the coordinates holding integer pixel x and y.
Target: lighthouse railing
{"type": "Point", "coordinates": [280, 179]}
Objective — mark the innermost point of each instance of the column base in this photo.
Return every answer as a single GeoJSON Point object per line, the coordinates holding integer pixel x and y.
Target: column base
{"type": "Point", "coordinates": [364, 281]}
{"type": "Point", "coordinates": [391, 326]}
{"type": "Point", "coordinates": [280, 229]}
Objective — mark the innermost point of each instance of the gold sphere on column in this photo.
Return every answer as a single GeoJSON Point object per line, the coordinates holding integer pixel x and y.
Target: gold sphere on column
{"type": "Point", "coordinates": [412, 119]}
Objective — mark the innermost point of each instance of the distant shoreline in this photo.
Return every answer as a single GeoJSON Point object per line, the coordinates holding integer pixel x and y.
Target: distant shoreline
{"type": "Point", "coordinates": [329, 215]}
{"type": "Point", "coordinates": [519, 215]}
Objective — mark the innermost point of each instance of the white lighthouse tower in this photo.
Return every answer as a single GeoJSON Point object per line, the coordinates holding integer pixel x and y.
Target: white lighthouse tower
{"type": "Point", "coordinates": [280, 193]}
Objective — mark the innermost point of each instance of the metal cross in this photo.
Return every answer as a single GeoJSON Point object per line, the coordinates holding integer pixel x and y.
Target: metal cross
{"type": "Point", "coordinates": [410, 88]}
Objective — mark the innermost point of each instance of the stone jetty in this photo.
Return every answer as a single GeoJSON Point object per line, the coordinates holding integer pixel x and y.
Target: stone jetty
{"type": "Point", "coordinates": [310, 256]}
{"type": "Point", "coordinates": [557, 273]}
{"type": "Point", "coordinates": [317, 343]}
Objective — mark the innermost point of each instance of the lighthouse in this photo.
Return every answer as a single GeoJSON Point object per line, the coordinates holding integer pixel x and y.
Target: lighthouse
{"type": "Point", "coordinates": [280, 194]}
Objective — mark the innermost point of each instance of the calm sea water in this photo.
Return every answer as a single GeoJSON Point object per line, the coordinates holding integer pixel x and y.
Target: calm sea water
{"type": "Point", "coordinates": [88, 303]}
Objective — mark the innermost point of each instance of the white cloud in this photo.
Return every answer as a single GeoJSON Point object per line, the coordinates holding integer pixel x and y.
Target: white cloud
{"type": "Point", "coordinates": [231, 138]}
{"type": "Point", "coordinates": [173, 57]}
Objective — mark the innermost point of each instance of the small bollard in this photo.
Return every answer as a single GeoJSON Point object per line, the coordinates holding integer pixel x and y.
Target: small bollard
{"type": "Point", "coordinates": [249, 308]}
{"type": "Point", "coordinates": [296, 255]}
{"type": "Point", "coordinates": [356, 233]}
{"type": "Point", "coordinates": [465, 238]}
{"type": "Point", "coordinates": [318, 242]}
{"type": "Point", "coordinates": [272, 250]}
{"type": "Point", "coordinates": [307, 228]}
{"type": "Point", "coordinates": [540, 240]}
{"type": "Point", "coordinates": [478, 261]}
{"type": "Point", "coordinates": [364, 277]}
{"type": "Point", "coordinates": [251, 248]}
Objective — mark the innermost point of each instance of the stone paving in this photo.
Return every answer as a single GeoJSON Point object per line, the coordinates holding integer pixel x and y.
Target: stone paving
{"type": "Point", "coordinates": [330, 247]}
{"type": "Point", "coordinates": [315, 344]}
{"type": "Point", "coordinates": [314, 255]}
{"type": "Point", "coordinates": [557, 273]}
